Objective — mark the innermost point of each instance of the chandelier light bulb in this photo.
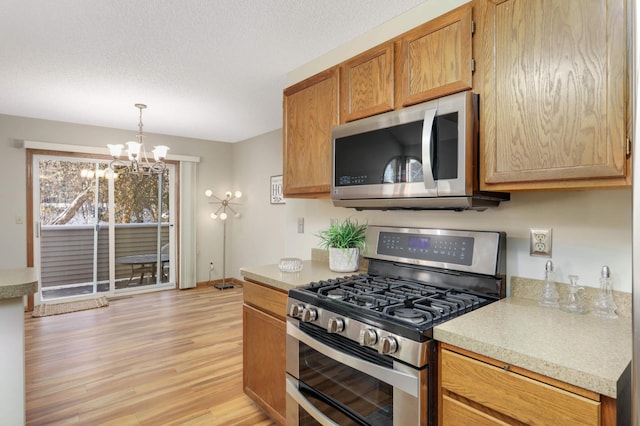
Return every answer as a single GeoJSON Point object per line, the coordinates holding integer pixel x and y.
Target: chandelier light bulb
{"type": "Point", "coordinates": [133, 149]}
{"type": "Point", "coordinates": [238, 194]}
{"type": "Point", "coordinates": [115, 150]}
{"type": "Point", "coordinates": [237, 214]}
{"type": "Point", "coordinates": [223, 216]}
{"type": "Point", "coordinates": [160, 152]}
{"type": "Point", "coordinates": [208, 193]}
{"type": "Point", "coordinates": [228, 194]}
{"type": "Point", "coordinates": [213, 216]}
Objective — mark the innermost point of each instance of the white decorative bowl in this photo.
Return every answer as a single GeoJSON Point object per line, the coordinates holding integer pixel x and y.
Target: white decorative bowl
{"type": "Point", "coordinates": [290, 264]}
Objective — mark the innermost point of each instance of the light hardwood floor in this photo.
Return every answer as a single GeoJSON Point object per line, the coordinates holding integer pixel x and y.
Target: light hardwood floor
{"type": "Point", "coordinates": [166, 358]}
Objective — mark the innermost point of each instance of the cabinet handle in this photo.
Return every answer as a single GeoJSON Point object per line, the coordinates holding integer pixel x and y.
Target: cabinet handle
{"type": "Point", "coordinates": [506, 367]}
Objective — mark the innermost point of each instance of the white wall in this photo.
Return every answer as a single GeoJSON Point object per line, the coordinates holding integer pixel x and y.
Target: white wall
{"type": "Point", "coordinates": [258, 236]}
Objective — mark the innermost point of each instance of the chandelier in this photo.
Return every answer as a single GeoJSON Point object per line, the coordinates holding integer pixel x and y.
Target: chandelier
{"type": "Point", "coordinates": [137, 162]}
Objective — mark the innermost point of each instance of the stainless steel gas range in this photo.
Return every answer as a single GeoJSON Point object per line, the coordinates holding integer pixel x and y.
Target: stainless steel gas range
{"type": "Point", "coordinates": [360, 349]}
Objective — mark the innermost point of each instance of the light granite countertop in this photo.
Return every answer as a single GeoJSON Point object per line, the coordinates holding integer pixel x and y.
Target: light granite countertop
{"type": "Point", "coordinates": [582, 350]}
{"type": "Point", "coordinates": [18, 282]}
{"type": "Point", "coordinates": [312, 270]}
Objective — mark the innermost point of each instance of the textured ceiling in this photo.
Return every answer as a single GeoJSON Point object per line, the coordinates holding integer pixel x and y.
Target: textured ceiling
{"type": "Point", "coordinates": [208, 69]}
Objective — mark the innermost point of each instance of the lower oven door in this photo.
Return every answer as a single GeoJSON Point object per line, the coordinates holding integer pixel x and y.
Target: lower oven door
{"type": "Point", "coordinates": [333, 381]}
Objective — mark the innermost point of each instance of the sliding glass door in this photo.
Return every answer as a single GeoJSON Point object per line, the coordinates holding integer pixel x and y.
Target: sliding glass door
{"type": "Point", "coordinates": [98, 232]}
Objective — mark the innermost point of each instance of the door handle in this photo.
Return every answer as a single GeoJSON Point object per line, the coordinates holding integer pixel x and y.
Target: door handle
{"type": "Point", "coordinates": [427, 143]}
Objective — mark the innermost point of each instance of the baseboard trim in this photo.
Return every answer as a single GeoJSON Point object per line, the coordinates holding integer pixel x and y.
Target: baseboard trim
{"type": "Point", "coordinates": [234, 281]}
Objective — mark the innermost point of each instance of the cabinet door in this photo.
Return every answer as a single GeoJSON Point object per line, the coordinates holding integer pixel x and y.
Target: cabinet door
{"type": "Point", "coordinates": [310, 111]}
{"type": "Point", "coordinates": [435, 58]}
{"type": "Point", "coordinates": [366, 84]}
{"type": "Point", "coordinates": [551, 77]}
{"type": "Point", "coordinates": [264, 365]}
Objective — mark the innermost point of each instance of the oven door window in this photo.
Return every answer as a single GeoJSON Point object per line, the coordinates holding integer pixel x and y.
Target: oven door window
{"type": "Point", "coordinates": [346, 395]}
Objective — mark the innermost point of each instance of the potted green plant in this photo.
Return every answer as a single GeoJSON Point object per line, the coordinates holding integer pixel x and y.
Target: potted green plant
{"type": "Point", "coordinates": [344, 240]}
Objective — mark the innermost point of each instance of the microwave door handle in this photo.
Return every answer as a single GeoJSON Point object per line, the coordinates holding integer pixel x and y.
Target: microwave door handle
{"type": "Point", "coordinates": [427, 167]}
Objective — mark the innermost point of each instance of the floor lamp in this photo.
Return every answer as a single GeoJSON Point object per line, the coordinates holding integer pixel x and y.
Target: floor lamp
{"type": "Point", "coordinates": [221, 213]}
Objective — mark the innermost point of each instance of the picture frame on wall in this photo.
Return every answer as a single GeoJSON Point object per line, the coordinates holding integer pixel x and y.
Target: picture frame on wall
{"type": "Point", "coordinates": [277, 196]}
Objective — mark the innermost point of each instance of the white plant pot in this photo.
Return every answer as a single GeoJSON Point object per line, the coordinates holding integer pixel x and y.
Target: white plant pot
{"type": "Point", "coordinates": [344, 260]}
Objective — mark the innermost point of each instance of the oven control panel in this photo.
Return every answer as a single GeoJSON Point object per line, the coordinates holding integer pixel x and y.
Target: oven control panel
{"type": "Point", "coordinates": [437, 248]}
{"type": "Point", "coordinates": [478, 252]}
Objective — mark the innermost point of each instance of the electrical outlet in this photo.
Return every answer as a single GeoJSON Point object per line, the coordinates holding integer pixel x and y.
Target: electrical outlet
{"type": "Point", "coordinates": [211, 268]}
{"type": "Point", "coordinates": [301, 225]}
{"type": "Point", "coordinates": [540, 242]}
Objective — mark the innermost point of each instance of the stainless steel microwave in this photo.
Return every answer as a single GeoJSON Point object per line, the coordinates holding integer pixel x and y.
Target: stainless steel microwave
{"type": "Point", "coordinates": [421, 157]}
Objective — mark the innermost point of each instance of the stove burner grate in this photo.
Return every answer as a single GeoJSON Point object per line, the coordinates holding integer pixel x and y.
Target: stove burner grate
{"type": "Point", "coordinates": [397, 299]}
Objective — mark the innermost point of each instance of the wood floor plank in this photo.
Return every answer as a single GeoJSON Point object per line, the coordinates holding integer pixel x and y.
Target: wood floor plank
{"type": "Point", "coordinates": [166, 358]}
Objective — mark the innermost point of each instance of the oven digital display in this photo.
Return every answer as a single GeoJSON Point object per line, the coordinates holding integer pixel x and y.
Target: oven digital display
{"type": "Point", "coordinates": [435, 248]}
{"type": "Point", "coordinates": [419, 242]}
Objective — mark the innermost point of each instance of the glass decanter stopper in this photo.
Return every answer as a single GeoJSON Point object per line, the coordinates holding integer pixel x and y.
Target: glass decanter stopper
{"type": "Point", "coordinates": [549, 298]}
{"type": "Point", "coordinates": [573, 302]}
{"type": "Point", "coordinates": [605, 306]}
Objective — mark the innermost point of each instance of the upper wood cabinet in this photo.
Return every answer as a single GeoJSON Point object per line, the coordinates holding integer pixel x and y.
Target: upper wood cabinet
{"type": "Point", "coordinates": [430, 61]}
{"type": "Point", "coordinates": [310, 111]}
{"type": "Point", "coordinates": [366, 84]}
{"type": "Point", "coordinates": [551, 75]}
{"type": "Point", "coordinates": [435, 59]}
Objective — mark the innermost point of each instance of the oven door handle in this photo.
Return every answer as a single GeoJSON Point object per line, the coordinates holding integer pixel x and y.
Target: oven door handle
{"type": "Point", "coordinates": [398, 379]}
{"type": "Point", "coordinates": [294, 392]}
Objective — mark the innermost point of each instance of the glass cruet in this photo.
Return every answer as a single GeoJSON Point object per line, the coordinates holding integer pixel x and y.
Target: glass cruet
{"type": "Point", "coordinates": [573, 302]}
{"type": "Point", "coordinates": [549, 298]}
{"type": "Point", "coordinates": [605, 305]}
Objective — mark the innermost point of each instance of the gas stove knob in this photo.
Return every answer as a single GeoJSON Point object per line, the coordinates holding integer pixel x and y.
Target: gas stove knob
{"type": "Point", "coordinates": [368, 337]}
{"type": "Point", "coordinates": [388, 345]}
{"type": "Point", "coordinates": [296, 310]}
{"type": "Point", "coordinates": [309, 315]}
{"type": "Point", "coordinates": [335, 325]}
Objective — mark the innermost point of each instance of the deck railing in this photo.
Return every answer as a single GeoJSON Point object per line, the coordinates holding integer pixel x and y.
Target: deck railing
{"type": "Point", "coordinates": [66, 252]}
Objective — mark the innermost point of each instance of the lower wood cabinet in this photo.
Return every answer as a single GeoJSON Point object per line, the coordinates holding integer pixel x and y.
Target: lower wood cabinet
{"type": "Point", "coordinates": [264, 340]}
{"type": "Point", "coordinates": [476, 390]}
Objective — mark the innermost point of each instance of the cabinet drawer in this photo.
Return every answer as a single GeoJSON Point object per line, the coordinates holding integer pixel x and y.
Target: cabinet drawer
{"type": "Point", "coordinates": [516, 396]}
{"type": "Point", "coordinates": [265, 298]}
{"type": "Point", "coordinates": [458, 414]}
